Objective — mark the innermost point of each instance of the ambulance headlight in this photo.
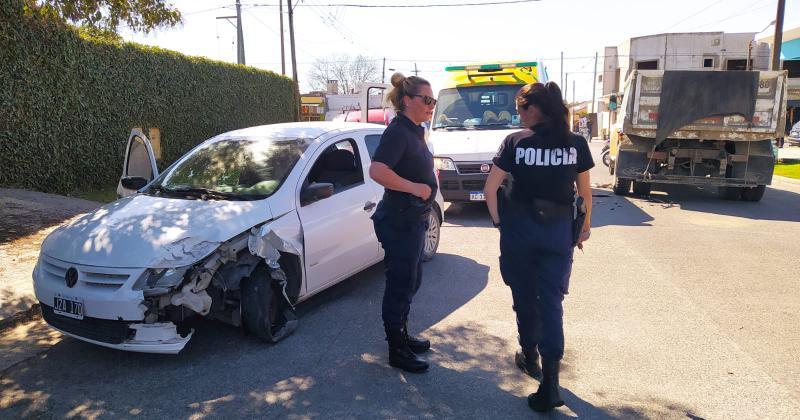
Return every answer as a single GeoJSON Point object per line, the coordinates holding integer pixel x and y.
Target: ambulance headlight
{"type": "Point", "coordinates": [444, 164]}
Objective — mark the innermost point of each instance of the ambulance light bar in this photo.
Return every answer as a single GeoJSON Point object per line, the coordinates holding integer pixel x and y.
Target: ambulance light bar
{"type": "Point", "coordinates": [491, 67]}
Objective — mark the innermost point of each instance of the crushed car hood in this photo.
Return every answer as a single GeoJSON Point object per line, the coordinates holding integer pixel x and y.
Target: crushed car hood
{"type": "Point", "coordinates": [145, 231]}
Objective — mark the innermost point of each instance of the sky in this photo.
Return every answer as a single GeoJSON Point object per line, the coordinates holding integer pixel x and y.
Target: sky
{"type": "Point", "coordinates": [435, 37]}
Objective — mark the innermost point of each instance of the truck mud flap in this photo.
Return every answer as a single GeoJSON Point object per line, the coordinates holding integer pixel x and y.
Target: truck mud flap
{"type": "Point", "coordinates": [630, 164]}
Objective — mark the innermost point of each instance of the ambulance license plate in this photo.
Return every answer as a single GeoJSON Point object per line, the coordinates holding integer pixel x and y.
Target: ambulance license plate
{"type": "Point", "coordinates": [68, 306]}
{"type": "Point", "coordinates": [477, 196]}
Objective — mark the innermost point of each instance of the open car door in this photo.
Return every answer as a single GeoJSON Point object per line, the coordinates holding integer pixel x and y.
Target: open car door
{"type": "Point", "coordinates": [140, 165]}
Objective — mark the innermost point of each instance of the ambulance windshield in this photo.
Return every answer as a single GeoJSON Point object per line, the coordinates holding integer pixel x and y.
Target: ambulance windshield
{"type": "Point", "coordinates": [477, 107]}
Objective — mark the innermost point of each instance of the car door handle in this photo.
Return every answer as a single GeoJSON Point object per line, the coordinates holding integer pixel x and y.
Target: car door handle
{"type": "Point", "coordinates": [369, 205]}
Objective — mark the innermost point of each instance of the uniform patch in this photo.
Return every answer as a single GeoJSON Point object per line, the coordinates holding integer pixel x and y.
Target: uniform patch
{"type": "Point", "coordinates": [532, 156]}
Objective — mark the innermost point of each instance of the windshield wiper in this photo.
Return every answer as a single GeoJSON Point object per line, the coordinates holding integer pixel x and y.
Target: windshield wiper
{"type": "Point", "coordinates": [207, 193]}
{"type": "Point", "coordinates": [495, 125]}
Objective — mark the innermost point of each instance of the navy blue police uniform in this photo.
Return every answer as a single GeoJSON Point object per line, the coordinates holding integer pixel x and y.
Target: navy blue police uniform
{"type": "Point", "coordinates": [536, 230]}
{"type": "Point", "coordinates": [401, 219]}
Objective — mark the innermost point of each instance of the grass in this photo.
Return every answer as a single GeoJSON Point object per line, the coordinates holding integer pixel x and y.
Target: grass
{"type": "Point", "coordinates": [102, 195]}
{"type": "Point", "coordinates": [789, 170]}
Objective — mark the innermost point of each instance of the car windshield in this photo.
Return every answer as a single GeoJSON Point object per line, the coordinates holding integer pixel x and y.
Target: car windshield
{"type": "Point", "coordinates": [477, 107]}
{"type": "Point", "coordinates": [232, 169]}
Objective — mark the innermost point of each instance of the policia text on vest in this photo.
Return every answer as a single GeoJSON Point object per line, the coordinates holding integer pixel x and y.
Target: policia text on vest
{"type": "Point", "coordinates": [546, 157]}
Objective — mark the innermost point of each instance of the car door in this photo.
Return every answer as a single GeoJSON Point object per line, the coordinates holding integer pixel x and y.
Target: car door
{"type": "Point", "coordinates": [339, 238]}
{"type": "Point", "coordinates": [140, 161]}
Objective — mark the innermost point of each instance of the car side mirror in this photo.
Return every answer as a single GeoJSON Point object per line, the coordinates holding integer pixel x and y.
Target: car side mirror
{"type": "Point", "coordinates": [315, 192]}
{"type": "Point", "coordinates": [134, 182]}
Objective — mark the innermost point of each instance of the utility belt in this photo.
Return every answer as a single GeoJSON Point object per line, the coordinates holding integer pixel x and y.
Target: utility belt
{"type": "Point", "coordinates": [406, 205]}
{"type": "Point", "coordinates": [548, 212]}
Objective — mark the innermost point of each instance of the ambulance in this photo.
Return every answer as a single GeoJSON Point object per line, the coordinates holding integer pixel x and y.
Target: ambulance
{"type": "Point", "coordinates": [474, 113]}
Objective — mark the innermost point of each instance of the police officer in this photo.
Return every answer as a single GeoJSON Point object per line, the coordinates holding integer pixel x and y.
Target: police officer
{"type": "Point", "coordinates": [403, 164]}
{"type": "Point", "coordinates": [538, 231]}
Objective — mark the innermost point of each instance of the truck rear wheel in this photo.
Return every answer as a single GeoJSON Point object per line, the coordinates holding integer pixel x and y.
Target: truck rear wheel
{"type": "Point", "coordinates": [753, 194]}
{"type": "Point", "coordinates": [730, 193]}
{"type": "Point", "coordinates": [642, 188]}
{"type": "Point", "coordinates": [622, 186]}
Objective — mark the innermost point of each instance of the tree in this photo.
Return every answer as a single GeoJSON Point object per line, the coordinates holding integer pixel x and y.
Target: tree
{"type": "Point", "coordinates": [98, 16]}
{"type": "Point", "coordinates": [348, 71]}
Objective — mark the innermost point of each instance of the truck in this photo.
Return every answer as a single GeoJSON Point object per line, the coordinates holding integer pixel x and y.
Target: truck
{"type": "Point", "coordinates": [701, 128]}
{"type": "Point", "coordinates": [476, 110]}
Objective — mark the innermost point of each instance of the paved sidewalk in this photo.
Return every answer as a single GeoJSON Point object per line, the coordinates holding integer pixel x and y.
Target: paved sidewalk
{"type": "Point", "coordinates": [26, 218]}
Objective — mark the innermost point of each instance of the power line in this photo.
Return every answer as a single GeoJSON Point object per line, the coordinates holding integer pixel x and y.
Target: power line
{"type": "Point", "coordinates": [693, 15]}
{"type": "Point", "coordinates": [408, 6]}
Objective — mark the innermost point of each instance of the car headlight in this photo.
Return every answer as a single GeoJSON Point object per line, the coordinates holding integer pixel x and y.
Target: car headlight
{"type": "Point", "coordinates": [444, 164]}
{"type": "Point", "coordinates": [161, 278]}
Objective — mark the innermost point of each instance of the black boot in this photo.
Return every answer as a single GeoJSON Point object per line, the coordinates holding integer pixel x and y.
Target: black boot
{"type": "Point", "coordinates": [416, 344]}
{"type": "Point", "coordinates": [528, 362]}
{"type": "Point", "coordinates": [401, 356]}
{"type": "Point", "coordinates": [548, 396]}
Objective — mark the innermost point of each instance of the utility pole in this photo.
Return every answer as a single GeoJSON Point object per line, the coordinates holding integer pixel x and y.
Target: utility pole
{"type": "Point", "coordinates": [283, 54]}
{"type": "Point", "coordinates": [416, 72]}
{"type": "Point", "coordinates": [383, 72]}
{"type": "Point", "coordinates": [239, 35]}
{"type": "Point", "coordinates": [562, 69]}
{"type": "Point", "coordinates": [291, 39]}
{"type": "Point", "coordinates": [778, 38]}
{"type": "Point", "coordinates": [566, 86]}
{"type": "Point", "coordinates": [573, 92]}
{"type": "Point", "coordinates": [572, 108]}
{"type": "Point", "coordinates": [594, 82]}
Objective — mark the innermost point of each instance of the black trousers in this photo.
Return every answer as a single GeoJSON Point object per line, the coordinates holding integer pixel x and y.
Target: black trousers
{"type": "Point", "coordinates": [536, 263]}
{"type": "Point", "coordinates": [403, 242]}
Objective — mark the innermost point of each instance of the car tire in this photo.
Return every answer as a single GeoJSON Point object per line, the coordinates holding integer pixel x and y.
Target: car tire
{"type": "Point", "coordinates": [265, 312]}
{"type": "Point", "coordinates": [730, 193]}
{"type": "Point", "coordinates": [642, 188]}
{"type": "Point", "coordinates": [622, 186]}
{"type": "Point", "coordinates": [432, 235]}
{"type": "Point", "coordinates": [753, 194]}
{"type": "Point", "coordinates": [606, 157]}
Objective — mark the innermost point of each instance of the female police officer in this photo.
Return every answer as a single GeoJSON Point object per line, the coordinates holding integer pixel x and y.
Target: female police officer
{"type": "Point", "coordinates": [536, 221]}
{"type": "Point", "coordinates": [404, 166]}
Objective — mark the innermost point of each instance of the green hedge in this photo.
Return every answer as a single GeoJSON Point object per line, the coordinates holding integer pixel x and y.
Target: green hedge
{"type": "Point", "coordinates": [68, 103]}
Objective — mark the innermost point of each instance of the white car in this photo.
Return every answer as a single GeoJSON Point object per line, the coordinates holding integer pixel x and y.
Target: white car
{"type": "Point", "coordinates": [794, 134]}
{"type": "Point", "coordinates": [240, 229]}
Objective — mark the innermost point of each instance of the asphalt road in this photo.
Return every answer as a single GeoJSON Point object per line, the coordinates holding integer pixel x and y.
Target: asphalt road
{"type": "Point", "coordinates": [682, 305]}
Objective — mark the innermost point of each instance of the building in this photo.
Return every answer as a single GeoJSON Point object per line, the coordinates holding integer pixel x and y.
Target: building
{"type": "Point", "coordinates": [673, 51]}
{"type": "Point", "coordinates": [790, 56]}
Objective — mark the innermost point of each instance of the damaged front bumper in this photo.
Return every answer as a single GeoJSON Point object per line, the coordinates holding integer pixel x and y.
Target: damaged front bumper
{"type": "Point", "coordinates": [161, 337]}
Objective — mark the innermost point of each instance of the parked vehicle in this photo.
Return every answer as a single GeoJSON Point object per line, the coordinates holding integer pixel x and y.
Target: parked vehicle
{"type": "Point", "coordinates": [382, 116]}
{"type": "Point", "coordinates": [794, 134]}
{"type": "Point", "coordinates": [240, 229]}
{"type": "Point", "coordinates": [726, 151]}
{"type": "Point", "coordinates": [475, 111]}
{"type": "Point", "coordinates": [605, 154]}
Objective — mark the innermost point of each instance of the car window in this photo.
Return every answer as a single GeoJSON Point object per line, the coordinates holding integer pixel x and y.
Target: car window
{"type": "Point", "coordinates": [372, 141]}
{"type": "Point", "coordinates": [139, 159]}
{"type": "Point", "coordinates": [246, 168]}
{"type": "Point", "coordinates": [340, 165]}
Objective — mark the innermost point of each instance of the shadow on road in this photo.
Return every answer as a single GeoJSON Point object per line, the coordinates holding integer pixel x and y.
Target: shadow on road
{"type": "Point", "coordinates": [24, 213]}
{"type": "Point", "coordinates": [777, 204]}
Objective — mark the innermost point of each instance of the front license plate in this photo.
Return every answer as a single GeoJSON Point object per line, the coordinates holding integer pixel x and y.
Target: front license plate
{"type": "Point", "coordinates": [477, 196]}
{"type": "Point", "coordinates": [68, 306]}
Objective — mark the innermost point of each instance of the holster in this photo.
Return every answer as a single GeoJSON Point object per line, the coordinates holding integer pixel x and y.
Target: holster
{"type": "Point", "coordinates": [578, 218]}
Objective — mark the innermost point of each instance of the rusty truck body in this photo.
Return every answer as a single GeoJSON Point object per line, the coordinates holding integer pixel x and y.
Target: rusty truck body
{"type": "Point", "coordinates": [731, 151]}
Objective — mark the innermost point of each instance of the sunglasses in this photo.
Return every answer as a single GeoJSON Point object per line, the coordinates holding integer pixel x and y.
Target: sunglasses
{"type": "Point", "coordinates": [427, 99]}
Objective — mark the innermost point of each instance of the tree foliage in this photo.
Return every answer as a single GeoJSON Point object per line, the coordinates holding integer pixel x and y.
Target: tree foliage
{"type": "Point", "coordinates": [348, 71]}
{"type": "Point", "coordinates": [109, 15]}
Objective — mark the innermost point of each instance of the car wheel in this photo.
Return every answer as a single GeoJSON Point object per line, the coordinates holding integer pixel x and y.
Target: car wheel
{"type": "Point", "coordinates": [432, 235]}
{"type": "Point", "coordinates": [265, 312]}
{"type": "Point", "coordinates": [622, 186]}
{"type": "Point", "coordinates": [606, 159]}
{"type": "Point", "coordinates": [642, 188]}
{"type": "Point", "coordinates": [753, 194]}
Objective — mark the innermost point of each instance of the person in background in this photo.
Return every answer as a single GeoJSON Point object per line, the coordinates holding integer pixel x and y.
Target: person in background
{"type": "Point", "coordinates": [540, 224]}
{"type": "Point", "coordinates": [403, 165]}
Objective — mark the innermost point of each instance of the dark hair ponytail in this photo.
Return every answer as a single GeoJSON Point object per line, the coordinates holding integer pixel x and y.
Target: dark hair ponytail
{"type": "Point", "coordinates": [548, 98]}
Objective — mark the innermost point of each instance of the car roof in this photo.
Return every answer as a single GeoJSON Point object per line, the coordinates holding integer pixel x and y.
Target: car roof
{"type": "Point", "coordinates": [296, 130]}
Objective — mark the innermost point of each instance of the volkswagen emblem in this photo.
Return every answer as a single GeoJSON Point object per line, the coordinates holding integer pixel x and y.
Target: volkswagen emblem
{"type": "Point", "coordinates": [71, 277]}
{"type": "Point", "coordinates": [485, 168]}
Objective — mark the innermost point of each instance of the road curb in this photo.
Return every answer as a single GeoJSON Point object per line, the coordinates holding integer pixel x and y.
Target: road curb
{"type": "Point", "coordinates": [21, 317]}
